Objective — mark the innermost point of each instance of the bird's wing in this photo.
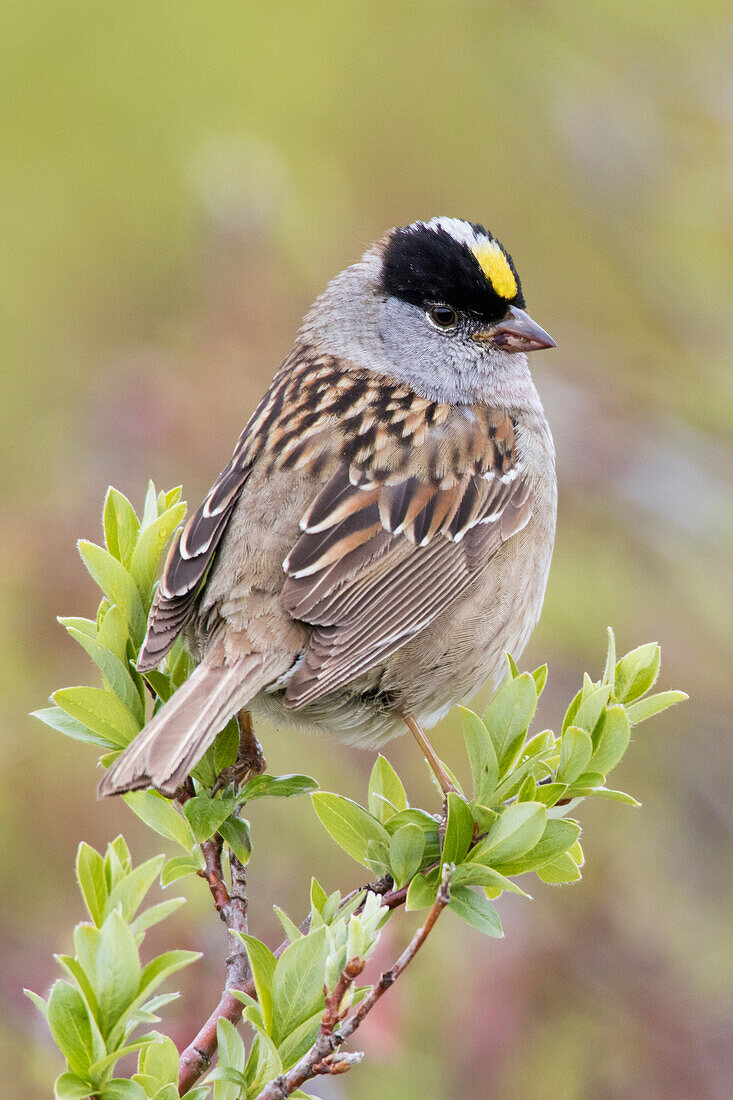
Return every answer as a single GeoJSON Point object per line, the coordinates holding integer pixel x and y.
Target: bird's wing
{"type": "Point", "coordinates": [194, 548]}
{"type": "Point", "coordinates": [301, 422]}
{"type": "Point", "coordinates": [390, 542]}
{"type": "Point", "coordinates": [189, 558]}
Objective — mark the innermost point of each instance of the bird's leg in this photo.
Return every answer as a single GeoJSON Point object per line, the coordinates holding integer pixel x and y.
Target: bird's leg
{"type": "Point", "coordinates": [250, 756]}
{"type": "Point", "coordinates": [250, 759]}
{"type": "Point", "coordinates": [439, 770]}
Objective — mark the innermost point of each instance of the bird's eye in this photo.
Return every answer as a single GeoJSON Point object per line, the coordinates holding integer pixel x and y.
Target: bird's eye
{"type": "Point", "coordinates": [443, 317]}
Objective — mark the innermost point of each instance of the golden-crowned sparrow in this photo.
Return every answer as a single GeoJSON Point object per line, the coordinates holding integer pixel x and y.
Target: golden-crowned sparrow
{"type": "Point", "coordinates": [383, 531]}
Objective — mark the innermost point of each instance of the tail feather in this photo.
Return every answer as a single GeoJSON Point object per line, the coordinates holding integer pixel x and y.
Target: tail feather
{"type": "Point", "coordinates": [173, 742]}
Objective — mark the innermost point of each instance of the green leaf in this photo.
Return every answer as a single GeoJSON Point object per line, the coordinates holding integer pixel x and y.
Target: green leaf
{"type": "Point", "coordinates": [263, 1064]}
{"type": "Point", "coordinates": [510, 711]}
{"type": "Point", "coordinates": [589, 779]}
{"type": "Point", "coordinates": [119, 1088]}
{"type": "Point", "coordinates": [101, 712]}
{"type": "Point", "coordinates": [276, 786]}
{"type": "Point", "coordinates": [117, 971]}
{"type": "Point", "coordinates": [263, 963]}
{"type": "Point", "coordinates": [146, 1012]}
{"type": "Point", "coordinates": [160, 814]}
{"type": "Point", "coordinates": [226, 747]}
{"type": "Point", "coordinates": [177, 867]}
{"type": "Point", "coordinates": [591, 707]}
{"type": "Point", "coordinates": [77, 973]}
{"type": "Point", "coordinates": [636, 672]}
{"type": "Point", "coordinates": [512, 670]}
{"type": "Point", "coordinates": [386, 793]}
{"type": "Point", "coordinates": [39, 1002]}
{"type": "Point", "coordinates": [575, 752]}
{"type": "Point", "coordinates": [483, 817]}
{"type": "Point", "coordinates": [319, 897]}
{"type": "Point", "coordinates": [74, 1031]}
{"type": "Point", "coordinates": [563, 869]}
{"type": "Point", "coordinates": [558, 837]}
{"type": "Point", "coordinates": [422, 892]}
{"type": "Point", "coordinates": [405, 853]}
{"type": "Point", "coordinates": [575, 852]}
{"type": "Point", "coordinates": [653, 704]}
{"type": "Point", "coordinates": [91, 879]}
{"type": "Point", "coordinates": [231, 1056]}
{"type": "Point", "coordinates": [300, 1039]}
{"type": "Point", "coordinates": [205, 815]}
{"type": "Point", "coordinates": [114, 632]}
{"type": "Point", "coordinates": [476, 910]}
{"type": "Point", "coordinates": [150, 546]}
{"type": "Point", "coordinates": [69, 1086]}
{"type": "Point", "coordinates": [235, 831]}
{"type": "Point", "coordinates": [162, 967]}
{"type": "Point", "coordinates": [458, 830]}
{"type": "Point", "coordinates": [160, 683]}
{"type": "Point", "coordinates": [84, 626]}
{"type": "Point", "coordinates": [540, 679]}
{"type": "Point", "coordinates": [528, 791]}
{"type": "Point", "coordinates": [540, 745]}
{"type": "Point", "coordinates": [481, 754]}
{"type": "Point", "coordinates": [226, 1078]}
{"type": "Point", "coordinates": [121, 525]}
{"type": "Point", "coordinates": [290, 928]}
{"type": "Point", "coordinates": [476, 874]}
{"type": "Point", "coordinates": [150, 507]}
{"type": "Point", "coordinates": [129, 892]}
{"type": "Point", "coordinates": [116, 583]}
{"type": "Point", "coordinates": [170, 1092]}
{"type": "Point", "coordinates": [62, 722]}
{"type": "Point", "coordinates": [113, 670]}
{"type": "Point", "coordinates": [172, 497]}
{"type": "Point", "coordinates": [155, 914]}
{"type": "Point", "coordinates": [612, 796]}
{"type": "Point", "coordinates": [571, 712]}
{"type": "Point", "coordinates": [424, 821]}
{"type": "Point", "coordinates": [610, 740]}
{"type": "Point", "coordinates": [350, 825]}
{"type": "Point", "coordinates": [297, 988]}
{"type": "Point", "coordinates": [119, 850]}
{"type": "Point", "coordinates": [109, 1060]}
{"type": "Point", "coordinates": [513, 750]}
{"type": "Point", "coordinates": [518, 829]}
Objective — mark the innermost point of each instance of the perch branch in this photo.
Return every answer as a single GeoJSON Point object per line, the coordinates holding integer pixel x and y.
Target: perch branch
{"type": "Point", "coordinates": [198, 1055]}
{"type": "Point", "coordinates": [324, 1057]}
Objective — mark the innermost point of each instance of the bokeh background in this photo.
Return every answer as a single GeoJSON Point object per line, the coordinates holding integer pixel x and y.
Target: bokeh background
{"type": "Point", "coordinates": [177, 182]}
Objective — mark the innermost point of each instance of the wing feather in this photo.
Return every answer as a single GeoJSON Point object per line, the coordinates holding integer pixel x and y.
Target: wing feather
{"type": "Point", "coordinates": [366, 599]}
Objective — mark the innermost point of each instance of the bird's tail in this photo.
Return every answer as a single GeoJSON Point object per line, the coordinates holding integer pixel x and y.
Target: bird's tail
{"type": "Point", "coordinates": [173, 742]}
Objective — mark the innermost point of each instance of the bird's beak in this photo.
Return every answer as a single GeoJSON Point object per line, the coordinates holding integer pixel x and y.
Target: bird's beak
{"type": "Point", "coordinates": [515, 332]}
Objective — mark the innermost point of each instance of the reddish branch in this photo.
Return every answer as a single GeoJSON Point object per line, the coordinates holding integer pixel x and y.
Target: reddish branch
{"type": "Point", "coordinates": [197, 1057]}
{"type": "Point", "coordinates": [324, 1057]}
{"type": "Point", "coordinates": [232, 908]}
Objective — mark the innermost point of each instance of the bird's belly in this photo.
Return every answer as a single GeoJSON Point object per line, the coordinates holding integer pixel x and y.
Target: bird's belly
{"type": "Point", "coordinates": [463, 648]}
{"type": "Point", "coordinates": [446, 663]}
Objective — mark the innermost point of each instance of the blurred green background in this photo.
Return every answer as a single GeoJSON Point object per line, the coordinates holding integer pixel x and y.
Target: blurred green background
{"type": "Point", "coordinates": [177, 182]}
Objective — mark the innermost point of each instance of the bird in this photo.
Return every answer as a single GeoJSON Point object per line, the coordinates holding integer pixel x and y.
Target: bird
{"type": "Point", "coordinates": [383, 532]}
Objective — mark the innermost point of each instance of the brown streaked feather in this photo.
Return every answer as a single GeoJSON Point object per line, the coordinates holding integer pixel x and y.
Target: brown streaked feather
{"type": "Point", "coordinates": [383, 620]}
{"type": "Point", "coordinates": [174, 741]}
{"type": "Point", "coordinates": [439, 540]}
{"type": "Point", "coordinates": [410, 466]}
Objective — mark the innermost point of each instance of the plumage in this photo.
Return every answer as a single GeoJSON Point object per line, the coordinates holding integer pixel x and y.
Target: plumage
{"type": "Point", "coordinates": [384, 527]}
{"type": "Point", "coordinates": [177, 737]}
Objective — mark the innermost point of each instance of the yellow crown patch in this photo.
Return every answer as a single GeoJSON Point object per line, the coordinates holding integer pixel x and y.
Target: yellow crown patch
{"type": "Point", "coordinates": [495, 267]}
